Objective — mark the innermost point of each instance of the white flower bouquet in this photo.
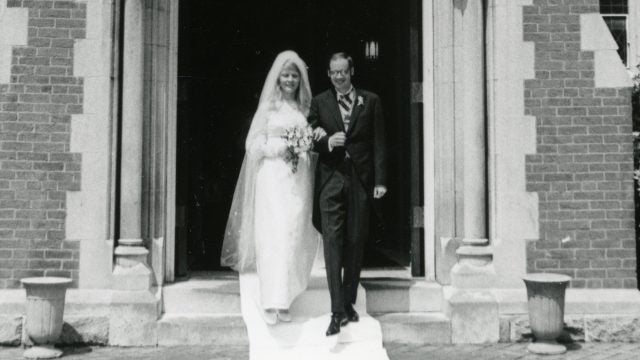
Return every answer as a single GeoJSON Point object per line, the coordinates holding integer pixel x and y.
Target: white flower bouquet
{"type": "Point", "coordinates": [299, 139]}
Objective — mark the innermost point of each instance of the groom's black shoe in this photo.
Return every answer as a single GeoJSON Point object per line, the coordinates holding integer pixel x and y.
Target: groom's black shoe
{"type": "Point", "coordinates": [337, 320]}
{"type": "Point", "coordinates": [352, 314]}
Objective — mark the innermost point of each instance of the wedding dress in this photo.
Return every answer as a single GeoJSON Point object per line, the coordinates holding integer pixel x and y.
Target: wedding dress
{"type": "Point", "coordinates": [286, 242]}
{"type": "Point", "coordinates": [269, 229]}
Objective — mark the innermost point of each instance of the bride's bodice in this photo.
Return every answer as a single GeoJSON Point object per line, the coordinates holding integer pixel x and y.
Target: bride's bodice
{"type": "Point", "coordinates": [282, 119]}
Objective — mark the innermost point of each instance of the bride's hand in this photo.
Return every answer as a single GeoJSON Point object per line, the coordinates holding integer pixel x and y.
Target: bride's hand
{"type": "Point", "coordinates": [319, 133]}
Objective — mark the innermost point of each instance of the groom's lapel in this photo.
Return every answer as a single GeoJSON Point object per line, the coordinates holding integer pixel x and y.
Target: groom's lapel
{"type": "Point", "coordinates": [335, 110]}
{"type": "Point", "coordinates": [357, 107]}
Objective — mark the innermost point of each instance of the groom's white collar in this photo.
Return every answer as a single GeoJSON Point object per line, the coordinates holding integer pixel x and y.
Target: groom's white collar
{"type": "Point", "coordinates": [348, 92]}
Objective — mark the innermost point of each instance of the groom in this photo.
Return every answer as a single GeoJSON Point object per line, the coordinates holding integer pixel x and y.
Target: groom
{"type": "Point", "coordinates": [350, 173]}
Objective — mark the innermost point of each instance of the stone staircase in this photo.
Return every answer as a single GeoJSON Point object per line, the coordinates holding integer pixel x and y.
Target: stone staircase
{"type": "Point", "coordinates": [206, 309]}
{"type": "Point", "coordinates": [203, 310]}
{"type": "Point", "coordinates": [409, 310]}
{"type": "Point", "coordinates": [304, 338]}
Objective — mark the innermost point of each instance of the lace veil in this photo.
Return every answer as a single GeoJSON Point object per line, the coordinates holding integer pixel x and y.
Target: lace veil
{"type": "Point", "coordinates": [238, 248]}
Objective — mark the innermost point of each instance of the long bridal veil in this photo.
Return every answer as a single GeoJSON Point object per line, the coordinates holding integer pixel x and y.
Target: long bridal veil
{"type": "Point", "coordinates": [238, 248]}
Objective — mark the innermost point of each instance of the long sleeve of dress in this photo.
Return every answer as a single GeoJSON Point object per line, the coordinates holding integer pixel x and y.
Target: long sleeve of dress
{"type": "Point", "coordinates": [257, 144]}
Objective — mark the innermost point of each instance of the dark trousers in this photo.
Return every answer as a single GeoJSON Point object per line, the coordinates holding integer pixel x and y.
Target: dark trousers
{"type": "Point", "coordinates": [345, 210]}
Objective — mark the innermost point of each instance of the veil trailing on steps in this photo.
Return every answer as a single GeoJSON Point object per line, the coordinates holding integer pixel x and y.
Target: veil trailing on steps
{"type": "Point", "coordinates": [238, 248]}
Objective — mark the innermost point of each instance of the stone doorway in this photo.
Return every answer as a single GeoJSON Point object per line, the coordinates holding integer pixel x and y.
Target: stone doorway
{"type": "Point", "coordinates": [225, 50]}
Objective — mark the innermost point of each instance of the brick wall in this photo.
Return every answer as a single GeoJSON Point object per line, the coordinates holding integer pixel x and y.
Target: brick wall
{"type": "Point", "coordinates": [582, 170]}
{"type": "Point", "coordinates": [36, 166]}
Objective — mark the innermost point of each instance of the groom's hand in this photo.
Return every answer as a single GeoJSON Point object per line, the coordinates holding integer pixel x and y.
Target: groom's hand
{"type": "Point", "coordinates": [337, 139]}
{"type": "Point", "coordinates": [379, 191]}
{"type": "Point", "coordinates": [318, 133]}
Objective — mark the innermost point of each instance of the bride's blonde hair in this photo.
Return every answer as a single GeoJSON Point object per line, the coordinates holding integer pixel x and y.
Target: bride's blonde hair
{"type": "Point", "coordinates": [271, 97]}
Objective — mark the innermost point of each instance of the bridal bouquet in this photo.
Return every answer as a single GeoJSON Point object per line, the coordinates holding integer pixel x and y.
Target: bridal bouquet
{"type": "Point", "coordinates": [299, 139]}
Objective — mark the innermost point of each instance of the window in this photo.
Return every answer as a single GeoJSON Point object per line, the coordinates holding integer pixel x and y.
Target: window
{"type": "Point", "coordinates": [614, 7]}
{"type": "Point", "coordinates": [615, 14]}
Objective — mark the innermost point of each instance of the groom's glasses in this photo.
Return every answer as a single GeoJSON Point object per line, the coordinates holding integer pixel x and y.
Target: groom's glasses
{"type": "Point", "coordinates": [334, 73]}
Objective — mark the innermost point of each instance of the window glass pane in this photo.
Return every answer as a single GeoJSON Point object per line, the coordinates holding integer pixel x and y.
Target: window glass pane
{"type": "Point", "coordinates": [614, 6]}
{"type": "Point", "coordinates": [618, 27]}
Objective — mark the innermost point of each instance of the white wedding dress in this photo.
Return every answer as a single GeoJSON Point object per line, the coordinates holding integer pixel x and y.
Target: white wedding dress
{"type": "Point", "coordinates": [271, 242]}
{"type": "Point", "coordinates": [285, 240]}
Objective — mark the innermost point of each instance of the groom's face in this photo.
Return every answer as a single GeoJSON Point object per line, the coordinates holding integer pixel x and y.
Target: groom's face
{"type": "Point", "coordinates": [340, 74]}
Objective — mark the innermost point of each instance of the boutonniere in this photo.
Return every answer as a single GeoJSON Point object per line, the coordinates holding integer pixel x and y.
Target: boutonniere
{"type": "Point", "coordinates": [360, 101]}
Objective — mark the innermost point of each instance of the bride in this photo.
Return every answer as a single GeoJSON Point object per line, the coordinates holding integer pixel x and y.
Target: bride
{"type": "Point", "coordinates": [269, 228]}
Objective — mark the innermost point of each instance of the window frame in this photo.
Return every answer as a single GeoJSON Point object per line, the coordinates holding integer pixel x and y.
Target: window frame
{"type": "Point", "coordinates": [626, 17]}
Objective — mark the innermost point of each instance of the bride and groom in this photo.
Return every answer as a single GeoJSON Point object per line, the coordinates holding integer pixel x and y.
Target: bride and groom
{"type": "Point", "coordinates": [284, 193]}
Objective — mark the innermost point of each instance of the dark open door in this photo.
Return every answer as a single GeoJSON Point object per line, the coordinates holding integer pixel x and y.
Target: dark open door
{"type": "Point", "coordinates": [225, 51]}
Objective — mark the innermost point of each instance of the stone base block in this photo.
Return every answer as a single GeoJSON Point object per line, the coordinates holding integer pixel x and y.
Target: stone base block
{"type": "Point", "coordinates": [85, 330]}
{"type": "Point", "coordinates": [468, 276]}
{"type": "Point", "coordinates": [415, 328]}
{"type": "Point", "coordinates": [202, 329]}
{"type": "Point", "coordinates": [134, 278]}
{"type": "Point", "coordinates": [474, 316]}
{"type": "Point", "coordinates": [577, 328]}
{"type": "Point", "coordinates": [612, 329]}
{"type": "Point", "coordinates": [10, 330]}
{"type": "Point", "coordinates": [133, 319]}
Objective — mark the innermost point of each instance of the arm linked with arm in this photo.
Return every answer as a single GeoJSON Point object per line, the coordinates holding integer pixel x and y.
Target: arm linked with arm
{"type": "Point", "coordinates": [321, 145]}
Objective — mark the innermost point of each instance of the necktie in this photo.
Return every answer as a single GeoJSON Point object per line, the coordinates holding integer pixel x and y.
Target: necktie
{"type": "Point", "coordinates": [345, 103]}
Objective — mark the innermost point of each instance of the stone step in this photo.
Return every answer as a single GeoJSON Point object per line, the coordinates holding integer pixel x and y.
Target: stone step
{"type": "Point", "coordinates": [315, 301]}
{"type": "Point", "coordinates": [304, 337]}
{"type": "Point", "coordinates": [203, 293]}
{"type": "Point", "coordinates": [401, 295]}
{"type": "Point", "coordinates": [415, 328]}
{"type": "Point", "coordinates": [202, 329]}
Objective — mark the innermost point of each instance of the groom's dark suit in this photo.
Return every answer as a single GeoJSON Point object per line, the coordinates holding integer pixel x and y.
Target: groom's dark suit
{"type": "Point", "coordinates": [345, 178]}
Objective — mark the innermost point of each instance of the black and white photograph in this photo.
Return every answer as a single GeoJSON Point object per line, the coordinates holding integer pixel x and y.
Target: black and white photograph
{"type": "Point", "coordinates": [319, 180]}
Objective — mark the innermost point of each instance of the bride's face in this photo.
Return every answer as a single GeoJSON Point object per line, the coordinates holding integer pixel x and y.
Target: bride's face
{"type": "Point", "coordinates": [289, 79]}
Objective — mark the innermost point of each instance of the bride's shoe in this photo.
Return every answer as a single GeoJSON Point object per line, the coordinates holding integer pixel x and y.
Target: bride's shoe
{"type": "Point", "coordinates": [284, 315]}
{"type": "Point", "coordinates": [270, 316]}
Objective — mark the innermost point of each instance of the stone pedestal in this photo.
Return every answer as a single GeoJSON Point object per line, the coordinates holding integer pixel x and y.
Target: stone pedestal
{"type": "Point", "coordinates": [45, 310]}
{"type": "Point", "coordinates": [133, 318]}
{"type": "Point", "coordinates": [473, 310]}
{"type": "Point", "coordinates": [474, 267]}
{"type": "Point", "coordinates": [131, 271]}
{"type": "Point", "coordinates": [474, 316]}
{"type": "Point", "coordinates": [545, 297]}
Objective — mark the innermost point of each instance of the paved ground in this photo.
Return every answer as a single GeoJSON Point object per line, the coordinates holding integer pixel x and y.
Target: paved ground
{"type": "Point", "coordinates": [594, 351]}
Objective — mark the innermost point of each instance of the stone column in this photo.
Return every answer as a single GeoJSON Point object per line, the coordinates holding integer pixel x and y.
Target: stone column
{"type": "Point", "coordinates": [475, 254]}
{"type": "Point", "coordinates": [473, 310]}
{"type": "Point", "coordinates": [135, 304]}
{"type": "Point", "coordinates": [461, 160]}
{"type": "Point", "coordinates": [131, 272]}
{"type": "Point", "coordinates": [470, 153]}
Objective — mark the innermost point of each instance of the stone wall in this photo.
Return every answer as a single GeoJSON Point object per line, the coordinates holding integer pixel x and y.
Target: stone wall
{"type": "Point", "coordinates": [37, 168]}
{"type": "Point", "coordinates": [582, 170]}
{"type": "Point", "coordinates": [577, 328]}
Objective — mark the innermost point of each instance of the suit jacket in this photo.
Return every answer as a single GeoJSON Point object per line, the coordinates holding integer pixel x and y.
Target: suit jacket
{"type": "Point", "coordinates": [365, 141]}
